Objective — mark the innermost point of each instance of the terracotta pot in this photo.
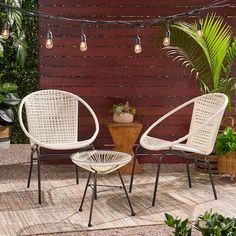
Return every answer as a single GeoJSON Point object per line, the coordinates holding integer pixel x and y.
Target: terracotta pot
{"type": "Point", "coordinates": [123, 118]}
{"type": "Point", "coordinates": [5, 132]}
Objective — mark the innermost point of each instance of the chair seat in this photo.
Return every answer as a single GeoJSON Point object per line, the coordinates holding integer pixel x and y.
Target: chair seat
{"type": "Point", "coordinates": [156, 144]}
{"type": "Point", "coordinates": [66, 146]}
{"type": "Point", "coordinates": [101, 161]}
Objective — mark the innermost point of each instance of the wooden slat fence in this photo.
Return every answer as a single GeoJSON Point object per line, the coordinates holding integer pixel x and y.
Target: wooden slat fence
{"type": "Point", "coordinates": [109, 71]}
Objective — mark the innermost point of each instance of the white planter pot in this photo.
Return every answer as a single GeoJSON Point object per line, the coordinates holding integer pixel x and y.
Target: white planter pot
{"type": "Point", "coordinates": [4, 144]}
{"type": "Point", "coordinates": [123, 118]}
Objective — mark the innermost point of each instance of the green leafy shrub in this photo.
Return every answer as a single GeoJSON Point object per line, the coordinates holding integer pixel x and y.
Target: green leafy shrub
{"type": "Point", "coordinates": [209, 224]}
{"type": "Point", "coordinates": [181, 227]}
{"type": "Point", "coordinates": [226, 141]}
{"type": "Point", "coordinates": [214, 224]}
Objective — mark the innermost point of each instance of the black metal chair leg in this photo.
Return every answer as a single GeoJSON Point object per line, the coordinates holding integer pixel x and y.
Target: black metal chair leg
{"type": "Point", "coordinates": [157, 178]}
{"type": "Point", "coordinates": [156, 183]}
{"type": "Point", "coordinates": [188, 172]}
{"type": "Point", "coordinates": [31, 166]}
{"type": "Point", "coordinates": [93, 197]}
{"type": "Point", "coordinates": [96, 190]}
{"type": "Point", "coordinates": [39, 177]}
{"type": "Point", "coordinates": [85, 191]}
{"type": "Point", "coordinates": [126, 193]}
{"type": "Point", "coordinates": [77, 174]}
{"type": "Point", "coordinates": [211, 178]}
{"type": "Point", "coordinates": [133, 168]}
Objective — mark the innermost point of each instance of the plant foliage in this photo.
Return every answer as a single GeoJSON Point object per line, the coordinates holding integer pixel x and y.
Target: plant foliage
{"type": "Point", "coordinates": [181, 227]}
{"type": "Point", "coordinates": [215, 224]}
{"type": "Point", "coordinates": [209, 224]}
{"type": "Point", "coordinates": [8, 99]}
{"type": "Point", "coordinates": [210, 57]}
{"type": "Point", "coordinates": [226, 141]}
{"type": "Point", "coordinates": [123, 108]}
{"type": "Point", "coordinates": [16, 64]}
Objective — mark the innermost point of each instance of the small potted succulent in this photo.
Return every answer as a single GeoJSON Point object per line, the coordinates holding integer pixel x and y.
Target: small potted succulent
{"type": "Point", "coordinates": [8, 99]}
{"type": "Point", "coordinates": [226, 151]}
{"type": "Point", "coordinates": [123, 113]}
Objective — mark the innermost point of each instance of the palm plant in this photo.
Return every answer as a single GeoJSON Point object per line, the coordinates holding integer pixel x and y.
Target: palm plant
{"type": "Point", "coordinates": [210, 57]}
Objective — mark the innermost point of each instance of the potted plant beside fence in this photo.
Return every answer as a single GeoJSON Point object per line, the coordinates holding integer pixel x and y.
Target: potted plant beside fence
{"type": "Point", "coordinates": [123, 113]}
{"type": "Point", "coordinates": [226, 151]}
{"type": "Point", "coordinates": [8, 99]}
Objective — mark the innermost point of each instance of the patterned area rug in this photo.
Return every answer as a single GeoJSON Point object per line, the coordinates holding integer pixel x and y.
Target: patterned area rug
{"type": "Point", "coordinates": [20, 213]}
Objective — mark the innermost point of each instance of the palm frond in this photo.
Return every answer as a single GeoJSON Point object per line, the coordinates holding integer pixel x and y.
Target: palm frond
{"type": "Point", "coordinates": [228, 87]}
{"type": "Point", "coordinates": [206, 54]}
{"type": "Point", "coordinates": [217, 36]}
{"type": "Point", "coordinates": [229, 58]}
{"type": "Point", "coordinates": [188, 53]}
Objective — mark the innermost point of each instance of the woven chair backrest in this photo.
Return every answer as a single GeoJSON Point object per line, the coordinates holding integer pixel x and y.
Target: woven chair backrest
{"type": "Point", "coordinates": [205, 107]}
{"type": "Point", "coordinates": [52, 116]}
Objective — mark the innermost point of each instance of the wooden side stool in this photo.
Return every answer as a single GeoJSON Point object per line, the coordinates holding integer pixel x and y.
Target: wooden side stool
{"type": "Point", "coordinates": [124, 137]}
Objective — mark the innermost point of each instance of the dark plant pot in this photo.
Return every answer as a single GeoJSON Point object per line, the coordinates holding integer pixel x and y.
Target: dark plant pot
{"type": "Point", "coordinates": [5, 132]}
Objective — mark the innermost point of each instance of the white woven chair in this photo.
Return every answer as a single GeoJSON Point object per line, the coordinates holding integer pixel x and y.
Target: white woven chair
{"type": "Point", "coordinates": [101, 162]}
{"type": "Point", "coordinates": [53, 121]}
{"type": "Point", "coordinates": [207, 114]}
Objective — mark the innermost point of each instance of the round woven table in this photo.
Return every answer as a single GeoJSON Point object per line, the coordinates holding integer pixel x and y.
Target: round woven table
{"type": "Point", "coordinates": [101, 162]}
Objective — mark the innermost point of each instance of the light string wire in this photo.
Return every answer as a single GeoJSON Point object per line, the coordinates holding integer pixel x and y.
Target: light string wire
{"type": "Point", "coordinates": [149, 22]}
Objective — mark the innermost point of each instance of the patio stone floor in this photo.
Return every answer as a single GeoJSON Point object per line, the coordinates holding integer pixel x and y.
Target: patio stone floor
{"type": "Point", "coordinates": [58, 214]}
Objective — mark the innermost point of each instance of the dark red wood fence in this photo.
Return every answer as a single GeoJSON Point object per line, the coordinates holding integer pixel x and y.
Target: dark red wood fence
{"type": "Point", "coordinates": [109, 71]}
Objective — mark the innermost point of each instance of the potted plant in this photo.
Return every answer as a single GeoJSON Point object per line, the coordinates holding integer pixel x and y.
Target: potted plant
{"type": "Point", "coordinates": [123, 113]}
{"type": "Point", "coordinates": [8, 99]}
{"type": "Point", "coordinates": [226, 151]}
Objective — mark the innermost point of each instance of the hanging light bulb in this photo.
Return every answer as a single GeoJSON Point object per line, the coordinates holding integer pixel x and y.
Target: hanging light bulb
{"type": "Point", "coordinates": [199, 29]}
{"type": "Point", "coordinates": [83, 44]}
{"type": "Point", "coordinates": [49, 42]}
{"type": "Point", "coordinates": [137, 46]}
{"type": "Point", "coordinates": [5, 31]}
{"type": "Point", "coordinates": [166, 41]}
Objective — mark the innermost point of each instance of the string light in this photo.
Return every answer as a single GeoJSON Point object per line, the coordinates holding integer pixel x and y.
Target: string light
{"type": "Point", "coordinates": [5, 31]}
{"type": "Point", "coordinates": [141, 23]}
{"type": "Point", "coordinates": [83, 42]}
{"type": "Point", "coordinates": [166, 41]}
{"type": "Point", "coordinates": [148, 22]}
{"type": "Point", "coordinates": [49, 41]}
{"type": "Point", "coordinates": [138, 46]}
{"type": "Point", "coordinates": [199, 28]}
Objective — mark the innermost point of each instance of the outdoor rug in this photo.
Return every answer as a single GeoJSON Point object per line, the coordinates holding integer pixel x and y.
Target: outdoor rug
{"type": "Point", "coordinates": [20, 213]}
